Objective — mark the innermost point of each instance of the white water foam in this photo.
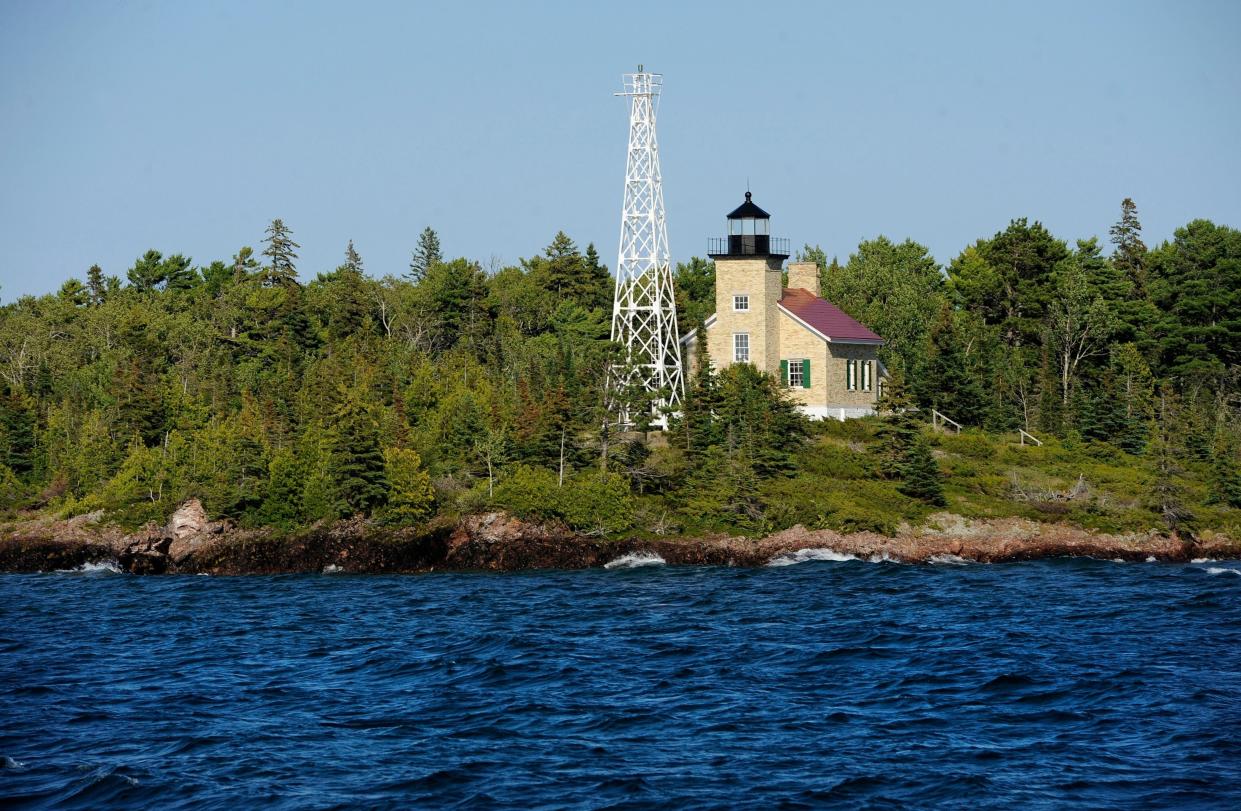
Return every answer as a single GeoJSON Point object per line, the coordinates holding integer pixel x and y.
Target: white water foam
{"type": "Point", "coordinates": [1222, 570]}
{"type": "Point", "coordinates": [952, 560]}
{"type": "Point", "coordinates": [635, 560]}
{"type": "Point", "coordinates": [1151, 559]}
{"type": "Point", "coordinates": [332, 568]}
{"type": "Point", "coordinates": [97, 567]}
{"type": "Point", "coordinates": [807, 555]}
{"type": "Point", "coordinates": [883, 557]}
{"type": "Point", "coordinates": [1204, 560]}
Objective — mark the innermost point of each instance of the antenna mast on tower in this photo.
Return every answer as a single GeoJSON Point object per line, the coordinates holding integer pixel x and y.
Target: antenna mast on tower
{"type": "Point", "coordinates": [644, 317]}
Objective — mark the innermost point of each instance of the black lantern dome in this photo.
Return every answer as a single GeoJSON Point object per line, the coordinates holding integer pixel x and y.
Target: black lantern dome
{"type": "Point", "coordinates": [749, 234]}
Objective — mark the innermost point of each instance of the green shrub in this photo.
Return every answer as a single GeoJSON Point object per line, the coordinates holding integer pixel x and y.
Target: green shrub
{"type": "Point", "coordinates": [592, 502]}
{"type": "Point", "coordinates": [971, 444]}
{"type": "Point", "coordinates": [835, 461]}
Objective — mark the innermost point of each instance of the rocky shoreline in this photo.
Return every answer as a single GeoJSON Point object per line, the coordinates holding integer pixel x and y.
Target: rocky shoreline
{"type": "Point", "coordinates": [191, 544]}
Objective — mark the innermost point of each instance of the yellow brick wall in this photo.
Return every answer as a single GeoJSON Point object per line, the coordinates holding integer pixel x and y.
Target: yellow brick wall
{"type": "Point", "coordinates": [759, 278]}
{"type": "Point", "coordinates": [827, 369]}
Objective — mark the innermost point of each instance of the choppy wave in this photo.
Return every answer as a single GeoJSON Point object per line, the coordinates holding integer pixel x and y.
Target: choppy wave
{"type": "Point", "coordinates": [814, 555]}
{"type": "Point", "coordinates": [808, 555]}
{"type": "Point", "coordinates": [1084, 684]}
{"type": "Point", "coordinates": [1222, 570]}
{"type": "Point", "coordinates": [635, 560]}
{"type": "Point", "coordinates": [95, 567]}
{"type": "Point", "coordinates": [950, 560]}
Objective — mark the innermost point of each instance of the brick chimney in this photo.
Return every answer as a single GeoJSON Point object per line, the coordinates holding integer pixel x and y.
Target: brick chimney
{"type": "Point", "coordinates": [804, 275]}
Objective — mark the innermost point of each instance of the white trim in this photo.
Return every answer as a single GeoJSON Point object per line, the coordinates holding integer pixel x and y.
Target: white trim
{"type": "Point", "coordinates": [835, 412]}
{"type": "Point", "coordinates": [692, 334]}
{"type": "Point", "coordinates": [745, 296]}
{"type": "Point", "coordinates": [737, 347]}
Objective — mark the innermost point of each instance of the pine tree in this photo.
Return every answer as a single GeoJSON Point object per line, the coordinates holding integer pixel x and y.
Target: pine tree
{"type": "Point", "coordinates": [900, 428]}
{"type": "Point", "coordinates": [1130, 254]}
{"type": "Point", "coordinates": [352, 260]}
{"type": "Point", "coordinates": [1168, 494]}
{"type": "Point", "coordinates": [96, 285]}
{"type": "Point", "coordinates": [178, 275]}
{"type": "Point", "coordinates": [281, 251]}
{"type": "Point", "coordinates": [410, 497]}
{"type": "Point", "coordinates": [1225, 468]}
{"type": "Point", "coordinates": [147, 274]}
{"type": "Point", "coordinates": [285, 484]}
{"type": "Point", "coordinates": [357, 462]}
{"type": "Point", "coordinates": [425, 256]}
{"type": "Point", "coordinates": [921, 477]}
{"type": "Point", "coordinates": [244, 264]}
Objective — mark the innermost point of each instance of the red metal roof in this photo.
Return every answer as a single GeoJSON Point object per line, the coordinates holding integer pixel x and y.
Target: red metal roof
{"type": "Point", "coordinates": [824, 316]}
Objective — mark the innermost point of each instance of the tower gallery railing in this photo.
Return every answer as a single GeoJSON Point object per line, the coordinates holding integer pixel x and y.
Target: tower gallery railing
{"type": "Point", "coordinates": [750, 245]}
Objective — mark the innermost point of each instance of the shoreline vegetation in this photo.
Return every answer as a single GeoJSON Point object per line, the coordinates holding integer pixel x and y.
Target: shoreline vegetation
{"type": "Point", "coordinates": [1099, 399]}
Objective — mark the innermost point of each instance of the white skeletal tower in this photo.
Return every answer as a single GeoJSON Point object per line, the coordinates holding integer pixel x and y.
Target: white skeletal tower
{"type": "Point", "coordinates": [644, 317]}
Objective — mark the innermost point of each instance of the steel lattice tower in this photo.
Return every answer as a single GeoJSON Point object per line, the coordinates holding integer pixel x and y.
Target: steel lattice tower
{"type": "Point", "coordinates": [644, 318]}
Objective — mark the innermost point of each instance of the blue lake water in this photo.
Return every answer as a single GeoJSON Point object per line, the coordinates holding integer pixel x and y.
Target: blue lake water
{"type": "Point", "coordinates": [851, 684]}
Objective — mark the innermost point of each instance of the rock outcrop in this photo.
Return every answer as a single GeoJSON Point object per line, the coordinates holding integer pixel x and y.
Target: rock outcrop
{"type": "Point", "coordinates": [191, 543]}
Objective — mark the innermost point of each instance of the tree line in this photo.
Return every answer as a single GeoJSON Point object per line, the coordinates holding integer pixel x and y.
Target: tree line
{"type": "Point", "coordinates": [452, 387]}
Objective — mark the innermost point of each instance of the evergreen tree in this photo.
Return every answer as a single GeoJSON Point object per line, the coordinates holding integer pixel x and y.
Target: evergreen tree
{"type": "Point", "coordinates": [281, 251]}
{"type": "Point", "coordinates": [96, 285]}
{"type": "Point", "coordinates": [921, 477]}
{"type": "Point", "coordinates": [1130, 254]}
{"type": "Point", "coordinates": [285, 484]}
{"type": "Point", "coordinates": [426, 256]}
{"type": "Point", "coordinates": [75, 293]}
{"type": "Point", "coordinates": [1226, 467]}
{"type": "Point", "coordinates": [901, 426]}
{"type": "Point", "coordinates": [953, 381]}
{"type": "Point", "coordinates": [410, 497]}
{"type": "Point", "coordinates": [694, 285]}
{"type": "Point", "coordinates": [357, 463]}
{"type": "Point", "coordinates": [1195, 285]}
{"type": "Point", "coordinates": [1168, 494]}
{"type": "Point", "coordinates": [148, 272]}
{"type": "Point", "coordinates": [1007, 279]}
{"type": "Point", "coordinates": [244, 264]}
{"type": "Point", "coordinates": [178, 275]}
{"type": "Point", "coordinates": [18, 441]}
{"type": "Point", "coordinates": [352, 260]}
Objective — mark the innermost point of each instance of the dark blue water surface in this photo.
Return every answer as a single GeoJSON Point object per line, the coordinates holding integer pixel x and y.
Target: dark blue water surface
{"type": "Point", "coordinates": [855, 684]}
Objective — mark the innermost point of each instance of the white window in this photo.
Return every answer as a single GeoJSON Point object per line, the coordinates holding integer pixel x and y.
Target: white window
{"type": "Point", "coordinates": [795, 377]}
{"type": "Point", "coordinates": [741, 303]}
{"type": "Point", "coordinates": [851, 375]}
{"type": "Point", "coordinates": [867, 365]}
{"type": "Point", "coordinates": [741, 347]}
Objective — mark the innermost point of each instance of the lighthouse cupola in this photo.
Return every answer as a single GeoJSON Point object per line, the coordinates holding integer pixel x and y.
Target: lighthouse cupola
{"type": "Point", "coordinates": [749, 234]}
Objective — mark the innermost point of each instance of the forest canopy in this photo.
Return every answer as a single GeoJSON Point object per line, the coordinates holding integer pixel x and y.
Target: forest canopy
{"type": "Point", "coordinates": [449, 388]}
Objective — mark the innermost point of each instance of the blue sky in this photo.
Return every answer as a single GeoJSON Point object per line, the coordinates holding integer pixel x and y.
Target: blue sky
{"type": "Point", "coordinates": [187, 127]}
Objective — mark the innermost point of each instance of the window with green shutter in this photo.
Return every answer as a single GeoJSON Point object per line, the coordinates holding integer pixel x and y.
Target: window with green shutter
{"type": "Point", "coordinates": [784, 373]}
{"type": "Point", "coordinates": [805, 373]}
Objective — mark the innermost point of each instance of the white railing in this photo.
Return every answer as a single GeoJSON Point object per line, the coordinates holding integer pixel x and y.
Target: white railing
{"type": "Point", "coordinates": [1023, 435]}
{"type": "Point", "coordinates": [941, 421]}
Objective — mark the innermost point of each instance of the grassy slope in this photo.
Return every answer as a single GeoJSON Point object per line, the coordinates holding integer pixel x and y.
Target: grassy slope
{"type": "Point", "coordinates": [986, 476]}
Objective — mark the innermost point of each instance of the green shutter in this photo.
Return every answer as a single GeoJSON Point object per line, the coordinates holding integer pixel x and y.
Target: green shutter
{"type": "Point", "coordinates": [784, 372]}
{"type": "Point", "coordinates": [805, 373]}
{"type": "Point", "coordinates": [847, 374]}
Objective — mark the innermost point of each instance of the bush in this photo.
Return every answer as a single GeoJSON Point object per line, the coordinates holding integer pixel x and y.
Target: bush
{"type": "Point", "coordinates": [598, 503]}
{"type": "Point", "coordinates": [971, 444]}
{"type": "Point", "coordinates": [832, 460]}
